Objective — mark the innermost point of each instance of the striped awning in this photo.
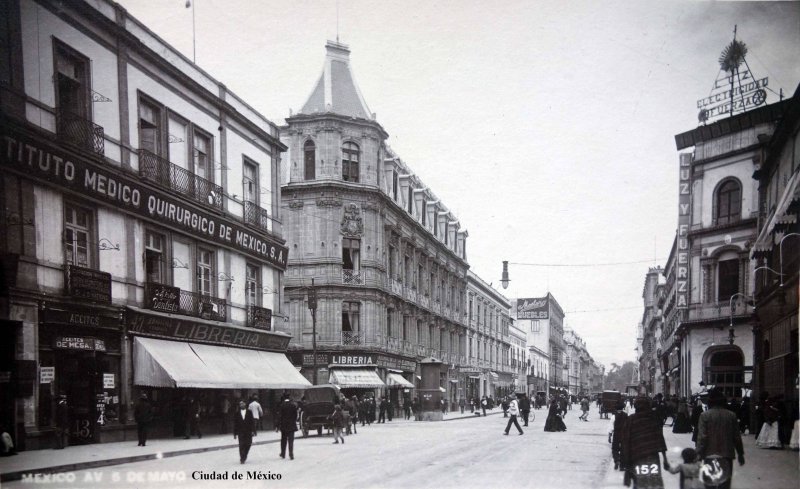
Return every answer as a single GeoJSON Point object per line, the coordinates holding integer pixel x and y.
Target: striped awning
{"type": "Point", "coordinates": [397, 380]}
{"type": "Point", "coordinates": [780, 219]}
{"type": "Point", "coordinates": [366, 378]}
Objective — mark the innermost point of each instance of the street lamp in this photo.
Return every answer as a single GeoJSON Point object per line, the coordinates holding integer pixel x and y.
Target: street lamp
{"type": "Point", "coordinates": [312, 306]}
{"type": "Point", "coordinates": [505, 280]}
{"type": "Point", "coordinates": [732, 336]}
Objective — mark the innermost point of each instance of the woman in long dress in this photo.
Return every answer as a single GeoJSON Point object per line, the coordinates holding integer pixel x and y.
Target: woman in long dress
{"type": "Point", "coordinates": [769, 436]}
{"type": "Point", "coordinates": [682, 422]}
{"type": "Point", "coordinates": [554, 421]}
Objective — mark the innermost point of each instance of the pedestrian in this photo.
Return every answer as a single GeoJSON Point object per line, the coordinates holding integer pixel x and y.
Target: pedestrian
{"type": "Point", "coordinates": [584, 409]}
{"type": "Point", "coordinates": [338, 422]}
{"type": "Point", "coordinates": [525, 408]}
{"type": "Point", "coordinates": [462, 404]}
{"type": "Point", "coordinates": [642, 441]}
{"type": "Point", "coordinates": [689, 470]}
{"type": "Point", "coordinates": [615, 434]}
{"type": "Point", "coordinates": [554, 421]}
{"type": "Point", "coordinates": [143, 415]}
{"type": "Point", "coordinates": [389, 409]}
{"type": "Point", "coordinates": [193, 419]}
{"type": "Point", "coordinates": [513, 411]}
{"type": "Point", "coordinates": [697, 410]}
{"type": "Point", "coordinates": [352, 410]}
{"type": "Point", "coordinates": [258, 413]}
{"type": "Point", "coordinates": [718, 441]}
{"type": "Point", "coordinates": [6, 443]}
{"type": "Point", "coordinates": [382, 411]}
{"type": "Point", "coordinates": [744, 415]}
{"type": "Point", "coordinates": [244, 429]}
{"type": "Point", "coordinates": [769, 434]}
{"type": "Point", "coordinates": [62, 422]}
{"type": "Point", "coordinates": [288, 425]}
{"type": "Point", "coordinates": [225, 409]}
{"type": "Point", "coordinates": [504, 404]}
{"type": "Point", "coordinates": [362, 411]}
{"type": "Point", "coordinates": [484, 403]}
{"type": "Point", "coordinates": [683, 423]}
{"type": "Point", "coordinates": [417, 407]}
{"type": "Point", "coordinates": [407, 408]}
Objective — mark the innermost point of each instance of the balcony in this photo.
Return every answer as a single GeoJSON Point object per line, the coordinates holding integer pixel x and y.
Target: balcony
{"type": "Point", "coordinates": [255, 215]}
{"type": "Point", "coordinates": [80, 132]}
{"type": "Point", "coordinates": [164, 298]}
{"type": "Point", "coordinates": [717, 311]}
{"type": "Point", "coordinates": [171, 176]}
{"type": "Point", "coordinates": [352, 277]}
{"type": "Point", "coordinates": [352, 338]}
{"type": "Point", "coordinates": [259, 318]}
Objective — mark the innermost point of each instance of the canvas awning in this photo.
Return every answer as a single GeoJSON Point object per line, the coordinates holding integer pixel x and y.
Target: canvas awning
{"type": "Point", "coordinates": [780, 219]}
{"type": "Point", "coordinates": [397, 380]}
{"type": "Point", "coordinates": [442, 389]}
{"type": "Point", "coordinates": [366, 378]}
{"type": "Point", "coordinates": [163, 363]}
{"type": "Point", "coordinates": [494, 375]}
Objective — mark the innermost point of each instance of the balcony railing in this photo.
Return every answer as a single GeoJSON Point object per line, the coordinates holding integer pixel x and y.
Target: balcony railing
{"type": "Point", "coordinates": [718, 310]}
{"type": "Point", "coordinates": [352, 338]}
{"type": "Point", "coordinates": [80, 132]}
{"type": "Point", "coordinates": [259, 318]}
{"type": "Point", "coordinates": [255, 215]}
{"type": "Point", "coordinates": [172, 176]}
{"type": "Point", "coordinates": [172, 299]}
{"type": "Point", "coordinates": [352, 277]}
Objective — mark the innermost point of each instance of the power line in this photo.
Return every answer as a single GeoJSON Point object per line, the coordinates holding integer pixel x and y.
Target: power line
{"type": "Point", "coordinates": [609, 264]}
{"type": "Point", "coordinates": [603, 310]}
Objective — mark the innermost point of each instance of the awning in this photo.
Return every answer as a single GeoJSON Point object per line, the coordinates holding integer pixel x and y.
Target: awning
{"type": "Point", "coordinates": [365, 378]}
{"type": "Point", "coordinates": [397, 380]}
{"type": "Point", "coordinates": [780, 219]}
{"type": "Point", "coordinates": [474, 376]}
{"type": "Point", "coordinates": [442, 389]}
{"type": "Point", "coordinates": [494, 375]}
{"type": "Point", "coordinates": [163, 363]}
{"type": "Point", "coordinates": [454, 381]}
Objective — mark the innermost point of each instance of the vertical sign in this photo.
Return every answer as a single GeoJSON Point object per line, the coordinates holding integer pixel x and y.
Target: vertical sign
{"type": "Point", "coordinates": [684, 220]}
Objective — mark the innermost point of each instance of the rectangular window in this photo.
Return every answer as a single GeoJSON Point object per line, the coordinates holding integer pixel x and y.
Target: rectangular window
{"type": "Point", "coordinates": [410, 200]}
{"type": "Point", "coordinates": [350, 316]}
{"type": "Point", "coordinates": [728, 279]}
{"type": "Point", "coordinates": [72, 81]}
{"type": "Point", "coordinates": [202, 156]}
{"type": "Point", "coordinates": [420, 277]}
{"type": "Point", "coordinates": [205, 271]}
{"type": "Point", "coordinates": [351, 254]}
{"type": "Point", "coordinates": [250, 182]}
{"type": "Point", "coordinates": [424, 211]}
{"type": "Point", "coordinates": [408, 271]}
{"type": "Point", "coordinates": [77, 235]}
{"type": "Point", "coordinates": [389, 331]}
{"type": "Point", "coordinates": [394, 184]}
{"type": "Point", "coordinates": [392, 264]}
{"type": "Point", "coordinates": [253, 285]}
{"type": "Point", "coordinates": [406, 328]}
{"type": "Point", "coordinates": [150, 127]}
{"type": "Point", "coordinates": [154, 257]}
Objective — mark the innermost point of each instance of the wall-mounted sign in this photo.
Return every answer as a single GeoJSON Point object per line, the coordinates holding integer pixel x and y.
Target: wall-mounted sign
{"type": "Point", "coordinates": [261, 318]}
{"type": "Point", "coordinates": [85, 283]}
{"type": "Point", "coordinates": [108, 381]}
{"type": "Point", "coordinates": [79, 317]}
{"type": "Point", "coordinates": [537, 308]}
{"type": "Point", "coordinates": [684, 221]}
{"type": "Point", "coordinates": [47, 375]}
{"type": "Point", "coordinates": [173, 328]}
{"type": "Point", "coordinates": [79, 343]}
{"type": "Point", "coordinates": [38, 158]}
{"type": "Point", "coordinates": [164, 298]}
{"type": "Point", "coordinates": [348, 359]}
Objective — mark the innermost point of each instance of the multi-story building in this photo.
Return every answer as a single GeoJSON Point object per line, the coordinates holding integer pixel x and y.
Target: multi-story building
{"type": "Point", "coordinates": [716, 232]}
{"type": "Point", "coordinates": [649, 361]}
{"type": "Point", "coordinates": [519, 358]}
{"type": "Point", "coordinates": [670, 343]}
{"type": "Point", "coordinates": [140, 236]}
{"type": "Point", "coordinates": [488, 339]}
{"type": "Point", "coordinates": [776, 254]}
{"type": "Point", "coordinates": [382, 258]}
{"type": "Point", "coordinates": [543, 321]}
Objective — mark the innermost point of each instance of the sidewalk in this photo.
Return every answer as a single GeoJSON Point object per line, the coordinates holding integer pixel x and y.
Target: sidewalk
{"type": "Point", "coordinates": [81, 457]}
{"type": "Point", "coordinates": [762, 468]}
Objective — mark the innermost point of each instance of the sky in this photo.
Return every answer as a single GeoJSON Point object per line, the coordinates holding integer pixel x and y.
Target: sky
{"type": "Point", "coordinates": [546, 127]}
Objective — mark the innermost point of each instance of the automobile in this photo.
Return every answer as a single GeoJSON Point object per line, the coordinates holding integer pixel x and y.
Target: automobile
{"type": "Point", "coordinates": [317, 408]}
{"type": "Point", "coordinates": [608, 402]}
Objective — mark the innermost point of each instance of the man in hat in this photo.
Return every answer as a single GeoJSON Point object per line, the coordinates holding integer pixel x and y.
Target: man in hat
{"type": "Point", "coordinates": [719, 439]}
{"type": "Point", "coordinates": [288, 425]}
{"type": "Point", "coordinates": [143, 415]}
{"type": "Point", "coordinates": [62, 422]}
{"type": "Point", "coordinates": [244, 428]}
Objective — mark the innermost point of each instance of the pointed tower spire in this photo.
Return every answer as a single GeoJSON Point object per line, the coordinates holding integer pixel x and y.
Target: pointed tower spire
{"type": "Point", "coordinates": [336, 91]}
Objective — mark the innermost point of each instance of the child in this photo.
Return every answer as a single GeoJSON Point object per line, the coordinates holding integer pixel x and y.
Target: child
{"type": "Point", "coordinates": [338, 423]}
{"type": "Point", "coordinates": [689, 470]}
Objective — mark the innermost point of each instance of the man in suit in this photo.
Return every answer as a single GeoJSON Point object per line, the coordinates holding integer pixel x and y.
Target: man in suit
{"type": "Point", "coordinates": [62, 422]}
{"type": "Point", "coordinates": [143, 414]}
{"type": "Point", "coordinates": [718, 435]}
{"type": "Point", "coordinates": [244, 428]}
{"type": "Point", "coordinates": [288, 425]}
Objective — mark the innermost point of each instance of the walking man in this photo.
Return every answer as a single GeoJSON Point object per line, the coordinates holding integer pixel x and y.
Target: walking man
{"type": "Point", "coordinates": [244, 429]}
{"type": "Point", "coordinates": [255, 408]}
{"type": "Point", "coordinates": [288, 425]}
{"type": "Point", "coordinates": [484, 402]}
{"type": "Point", "coordinates": [513, 411]}
{"type": "Point", "coordinates": [382, 411]}
{"type": "Point", "coordinates": [585, 408]}
{"type": "Point", "coordinates": [143, 414]}
{"type": "Point", "coordinates": [461, 404]}
{"type": "Point", "coordinates": [719, 439]}
{"type": "Point", "coordinates": [525, 408]}
{"type": "Point", "coordinates": [62, 422]}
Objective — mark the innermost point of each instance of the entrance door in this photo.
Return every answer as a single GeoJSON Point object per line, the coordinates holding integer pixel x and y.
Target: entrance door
{"type": "Point", "coordinates": [79, 383]}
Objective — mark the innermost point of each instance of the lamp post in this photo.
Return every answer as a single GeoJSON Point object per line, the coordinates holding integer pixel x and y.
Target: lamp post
{"type": "Point", "coordinates": [731, 336]}
{"type": "Point", "coordinates": [312, 306]}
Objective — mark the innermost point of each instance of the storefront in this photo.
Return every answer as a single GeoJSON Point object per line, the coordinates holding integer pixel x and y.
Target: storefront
{"type": "Point", "coordinates": [203, 367]}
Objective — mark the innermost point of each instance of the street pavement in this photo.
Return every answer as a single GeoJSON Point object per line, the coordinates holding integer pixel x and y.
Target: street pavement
{"type": "Point", "coordinates": [465, 453]}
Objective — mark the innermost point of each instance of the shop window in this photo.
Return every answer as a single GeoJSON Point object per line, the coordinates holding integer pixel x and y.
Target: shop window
{"type": "Point", "coordinates": [205, 271]}
{"type": "Point", "coordinates": [309, 160]}
{"type": "Point", "coordinates": [77, 235]}
{"type": "Point", "coordinates": [351, 312]}
{"type": "Point", "coordinates": [250, 182]}
{"type": "Point", "coordinates": [729, 202]}
{"type": "Point", "coordinates": [154, 257]}
{"type": "Point", "coordinates": [350, 162]}
{"type": "Point", "coordinates": [253, 285]}
{"type": "Point", "coordinates": [351, 254]}
{"type": "Point", "coordinates": [150, 127]}
{"type": "Point", "coordinates": [728, 279]}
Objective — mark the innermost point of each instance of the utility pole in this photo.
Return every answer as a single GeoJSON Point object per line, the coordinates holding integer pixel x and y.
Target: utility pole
{"type": "Point", "coordinates": [312, 306]}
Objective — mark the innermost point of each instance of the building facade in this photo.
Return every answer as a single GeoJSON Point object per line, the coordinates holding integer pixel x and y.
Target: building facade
{"type": "Point", "coordinates": [543, 321]}
{"type": "Point", "coordinates": [140, 229]}
{"type": "Point", "coordinates": [649, 361]}
{"type": "Point", "coordinates": [383, 257]}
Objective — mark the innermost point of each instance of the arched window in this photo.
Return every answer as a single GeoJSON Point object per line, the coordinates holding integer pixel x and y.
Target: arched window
{"type": "Point", "coordinates": [725, 370]}
{"type": "Point", "coordinates": [309, 160]}
{"type": "Point", "coordinates": [729, 202]}
{"type": "Point", "coordinates": [350, 158]}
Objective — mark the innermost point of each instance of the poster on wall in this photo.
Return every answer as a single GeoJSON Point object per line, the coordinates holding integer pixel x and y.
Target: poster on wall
{"type": "Point", "coordinates": [108, 381]}
{"type": "Point", "coordinates": [47, 375]}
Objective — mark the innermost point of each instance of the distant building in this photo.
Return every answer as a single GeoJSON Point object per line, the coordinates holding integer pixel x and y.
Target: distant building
{"type": "Point", "coordinates": [542, 319]}
{"type": "Point", "coordinates": [649, 361]}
